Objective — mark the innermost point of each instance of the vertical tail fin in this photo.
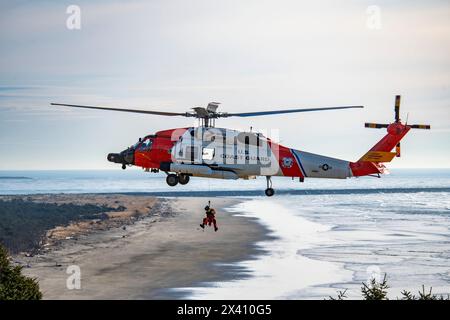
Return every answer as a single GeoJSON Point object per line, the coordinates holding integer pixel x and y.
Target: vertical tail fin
{"type": "Point", "coordinates": [371, 162]}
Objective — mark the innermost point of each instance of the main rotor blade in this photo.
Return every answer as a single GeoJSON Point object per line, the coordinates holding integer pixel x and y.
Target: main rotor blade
{"type": "Point", "coordinates": [266, 113]}
{"type": "Point", "coordinates": [159, 113]}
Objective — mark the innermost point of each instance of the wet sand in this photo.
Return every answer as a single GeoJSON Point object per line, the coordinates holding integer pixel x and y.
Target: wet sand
{"type": "Point", "coordinates": [164, 250]}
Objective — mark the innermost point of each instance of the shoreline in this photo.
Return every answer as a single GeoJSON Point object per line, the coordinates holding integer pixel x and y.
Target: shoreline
{"type": "Point", "coordinates": [245, 193]}
{"type": "Point", "coordinates": [267, 249]}
{"type": "Point", "coordinates": [283, 271]}
{"type": "Point", "coordinates": [154, 255]}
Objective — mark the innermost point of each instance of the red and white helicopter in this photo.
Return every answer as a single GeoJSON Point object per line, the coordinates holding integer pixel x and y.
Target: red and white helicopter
{"type": "Point", "coordinates": [207, 151]}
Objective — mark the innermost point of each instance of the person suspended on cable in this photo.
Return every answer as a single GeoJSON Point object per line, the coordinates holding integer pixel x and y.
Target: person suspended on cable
{"type": "Point", "coordinates": [210, 218]}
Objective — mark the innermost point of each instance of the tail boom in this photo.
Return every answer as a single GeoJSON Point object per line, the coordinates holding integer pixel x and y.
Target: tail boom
{"type": "Point", "coordinates": [371, 162]}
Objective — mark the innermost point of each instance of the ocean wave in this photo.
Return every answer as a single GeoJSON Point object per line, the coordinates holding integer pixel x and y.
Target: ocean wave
{"type": "Point", "coordinates": [14, 178]}
{"type": "Point", "coordinates": [247, 193]}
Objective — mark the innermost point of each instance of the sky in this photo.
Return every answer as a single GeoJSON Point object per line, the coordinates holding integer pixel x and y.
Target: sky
{"type": "Point", "coordinates": [249, 55]}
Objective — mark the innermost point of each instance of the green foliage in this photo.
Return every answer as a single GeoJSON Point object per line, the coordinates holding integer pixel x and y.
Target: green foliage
{"type": "Point", "coordinates": [341, 295]}
{"type": "Point", "coordinates": [407, 295]}
{"type": "Point", "coordinates": [423, 295]}
{"type": "Point", "coordinates": [23, 224]}
{"type": "Point", "coordinates": [14, 285]}
{"type": "Point", "coordinates": [378, 291]}
{"type": "Point", "coordinates": [375, 290]}
{"type": "Point", "coordinates": [426, 295]}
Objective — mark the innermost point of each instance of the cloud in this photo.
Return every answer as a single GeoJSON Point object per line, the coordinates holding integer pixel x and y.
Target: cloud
{"type": "Point", "coordinates": [249, 55]}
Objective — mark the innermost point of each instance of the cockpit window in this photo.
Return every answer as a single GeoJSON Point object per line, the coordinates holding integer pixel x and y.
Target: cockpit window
{"type": "Point", "coordinates": [146, 145]}
{"type": "Point", "coordinates": [136, 145]}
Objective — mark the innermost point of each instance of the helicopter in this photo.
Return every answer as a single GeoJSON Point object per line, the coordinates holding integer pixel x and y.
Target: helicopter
{"type": "Point", "coordinates": [211, 152]}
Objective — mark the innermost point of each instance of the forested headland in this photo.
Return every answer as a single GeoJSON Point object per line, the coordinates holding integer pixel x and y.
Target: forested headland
{"type": "Point", "coordinates": [24, 223]}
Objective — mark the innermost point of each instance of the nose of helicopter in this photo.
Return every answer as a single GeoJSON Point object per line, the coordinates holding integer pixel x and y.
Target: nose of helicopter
{"type": "Point", "coordinates": [115, 157]}
{"type": "Point", "coordinates": [125, 157]}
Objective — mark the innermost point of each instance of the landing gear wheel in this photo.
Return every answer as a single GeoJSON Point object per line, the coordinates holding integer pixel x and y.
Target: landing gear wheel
{"type": "Point", "coordinates": [124, 166]}
{"type": "Point", "coordinates": [183, 179]}
{"type": "Point", "coordinates": [172, 180]}
{"type": "Point", "coordinates": [269, 192]}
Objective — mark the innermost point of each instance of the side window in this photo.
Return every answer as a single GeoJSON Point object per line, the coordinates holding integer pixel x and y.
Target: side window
{"type": "Point", "coordinates": [248, 138]}
{"type": "Point", "coordinates": [146, 145]}
{"type": "Point", "coordinates": [208, 154]}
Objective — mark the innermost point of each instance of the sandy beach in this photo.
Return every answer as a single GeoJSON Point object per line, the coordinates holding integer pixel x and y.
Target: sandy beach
{"type": "Point", "coordinates": [161, 250]}
{"type": "Point", "coordinates": [286, 247]}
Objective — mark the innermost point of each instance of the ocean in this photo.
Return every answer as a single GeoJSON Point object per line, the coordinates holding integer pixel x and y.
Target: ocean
{"type": "Point", "coordinates": [328, 242]}
{"type": "Point", "coordinates": [328, 235]}
{"type": "Point", "coordinates": [137, 181]}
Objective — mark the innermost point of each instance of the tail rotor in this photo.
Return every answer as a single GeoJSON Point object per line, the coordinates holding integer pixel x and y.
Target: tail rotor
{"type": "Point", "coordinates": [397, 108]}
{"type": "Point", "coordinates": [398, 121]}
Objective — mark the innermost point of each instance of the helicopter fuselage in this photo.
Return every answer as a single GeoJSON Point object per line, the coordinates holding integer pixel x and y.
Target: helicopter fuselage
{"type": "Point", "coordinates": [230, 154]}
